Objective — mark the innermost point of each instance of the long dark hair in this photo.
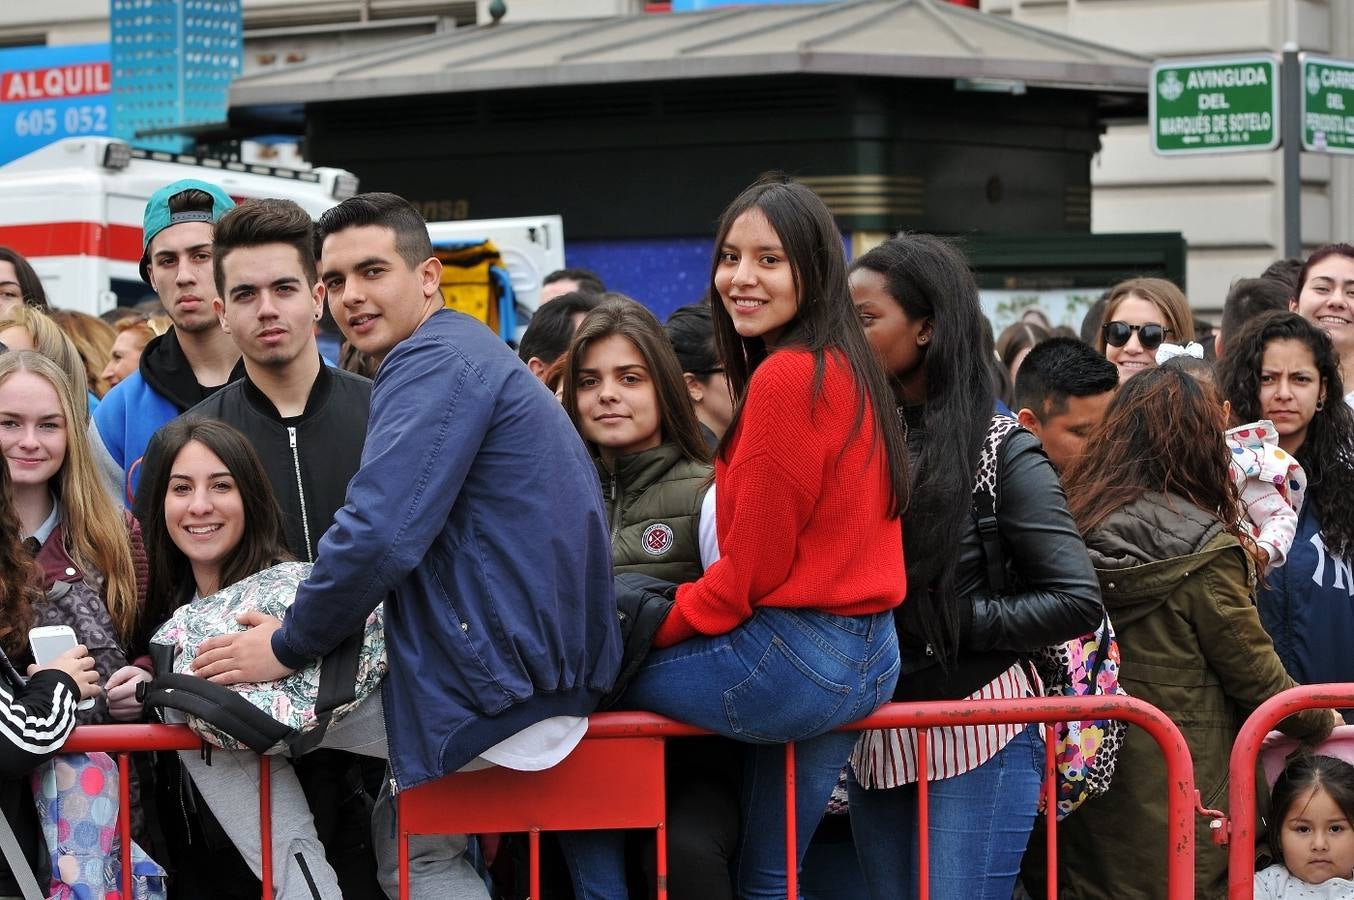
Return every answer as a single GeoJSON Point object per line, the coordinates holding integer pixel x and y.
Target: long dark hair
{"type": "Point", "coordinates": [1327, 452]}
{"type": "Point", "coordinates": [1163, 433]}
{"type": "Point", "coordinates": [262, 544]}
{"type": "Point", "coordinates": [620, 316]}
{"type": "Point", "coordinates": [930, 279]}
{"type": "Point", "coordinates": [18, 575]}
{"type": "Point", "coordinates": [1304, 771]}
{"type": "Point", "coordinates": [824, 322]}
{"type": "Point", "coordinates": [30, 285]}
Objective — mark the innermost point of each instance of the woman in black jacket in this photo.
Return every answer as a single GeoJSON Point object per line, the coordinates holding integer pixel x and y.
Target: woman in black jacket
{"type": "Point", "coordinates": [962, 634]}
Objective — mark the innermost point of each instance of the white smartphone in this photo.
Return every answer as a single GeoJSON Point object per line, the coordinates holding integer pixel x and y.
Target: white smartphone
{"type": "Point", "coordinates": [49, 642]}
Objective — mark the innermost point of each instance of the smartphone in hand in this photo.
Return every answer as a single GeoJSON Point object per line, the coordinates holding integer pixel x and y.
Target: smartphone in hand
{"type": "Point", "coordinates": [49, 642]}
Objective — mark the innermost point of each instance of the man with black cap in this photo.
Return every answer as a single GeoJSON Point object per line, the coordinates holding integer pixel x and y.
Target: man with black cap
{"type": "Point", "coordinates": [194, 358]}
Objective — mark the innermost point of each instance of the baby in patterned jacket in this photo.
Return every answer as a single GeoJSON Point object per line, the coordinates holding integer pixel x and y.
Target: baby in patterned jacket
{"type": "Point", "coordinates": [1270, 482]}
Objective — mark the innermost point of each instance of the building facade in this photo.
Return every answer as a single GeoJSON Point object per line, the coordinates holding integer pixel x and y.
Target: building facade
{"type": "Point", "coordinates": [1229, 208]}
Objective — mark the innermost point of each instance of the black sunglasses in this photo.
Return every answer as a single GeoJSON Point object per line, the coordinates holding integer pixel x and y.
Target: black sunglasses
{"type": "Point", "coordinates": [1150, 335]}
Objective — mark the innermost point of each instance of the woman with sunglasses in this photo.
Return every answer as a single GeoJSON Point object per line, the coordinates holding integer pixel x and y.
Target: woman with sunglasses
{"type": "Point", "coordinates": [1140, 314]}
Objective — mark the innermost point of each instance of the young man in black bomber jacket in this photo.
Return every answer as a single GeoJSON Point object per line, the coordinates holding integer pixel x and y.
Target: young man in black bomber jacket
{"type": "Point", "coordinates": [307, 421]}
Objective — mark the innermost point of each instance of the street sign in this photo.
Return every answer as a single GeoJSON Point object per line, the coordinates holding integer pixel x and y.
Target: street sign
{"type": "Point", "coordinates": [1327, 105]}
{"type": "Point", "coordinates": [1219, 105]}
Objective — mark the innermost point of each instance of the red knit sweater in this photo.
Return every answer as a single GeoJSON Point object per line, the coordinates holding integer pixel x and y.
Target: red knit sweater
{"type": "Point", "coordinates": [801, 509]}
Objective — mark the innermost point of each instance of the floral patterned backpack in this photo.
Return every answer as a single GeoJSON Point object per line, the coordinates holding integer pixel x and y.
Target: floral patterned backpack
{"type": "Point", "coordinates": [291, 713]}
{"type": "Point", "coordinates": [1086, 751]}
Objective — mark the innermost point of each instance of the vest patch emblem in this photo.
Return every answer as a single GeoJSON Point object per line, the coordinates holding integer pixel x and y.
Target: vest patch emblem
{"type": "Point", "coordinates": [657, 539]}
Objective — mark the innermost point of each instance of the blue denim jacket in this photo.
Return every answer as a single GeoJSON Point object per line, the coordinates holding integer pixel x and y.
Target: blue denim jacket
{"type": "Point", "coordinates": [476, 517]}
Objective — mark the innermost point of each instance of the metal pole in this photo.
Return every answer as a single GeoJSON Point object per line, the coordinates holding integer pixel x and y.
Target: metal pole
{"type": "Point", "coordinates": [1290, 122]}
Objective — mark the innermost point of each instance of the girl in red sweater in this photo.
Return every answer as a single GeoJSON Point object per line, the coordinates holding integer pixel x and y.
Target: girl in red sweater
{"type": "Point", "coordinates": [790, 633]}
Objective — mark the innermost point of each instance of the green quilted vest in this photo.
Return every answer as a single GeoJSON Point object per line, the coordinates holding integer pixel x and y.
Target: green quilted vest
{"type": "Point", "coordinates": [653, 500]}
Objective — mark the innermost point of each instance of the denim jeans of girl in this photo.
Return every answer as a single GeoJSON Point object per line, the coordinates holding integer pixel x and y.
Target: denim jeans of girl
{"type": "Point", "coordinates": [784, 675]}
{"type": "Point", "coordinates": [980, 825]}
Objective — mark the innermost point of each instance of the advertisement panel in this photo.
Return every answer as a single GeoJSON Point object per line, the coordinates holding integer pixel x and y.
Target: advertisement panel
{"type": "Point", "coordinates": [49, 93]}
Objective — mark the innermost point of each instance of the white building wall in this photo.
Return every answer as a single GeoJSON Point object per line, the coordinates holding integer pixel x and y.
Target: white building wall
{"type": "Point", "coordinates": [1229, 207]}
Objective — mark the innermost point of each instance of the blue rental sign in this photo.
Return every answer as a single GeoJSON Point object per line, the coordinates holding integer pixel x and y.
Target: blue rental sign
{"type": "Point", "coordinates": [49, 93]}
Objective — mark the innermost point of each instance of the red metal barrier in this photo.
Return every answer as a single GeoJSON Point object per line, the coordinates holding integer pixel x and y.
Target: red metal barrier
{"type": "Point", "coordinates": [1181, 796]}
{"type": "Point", "coordinates": [1238, 831]}
{"type": "Point", "coordinates": [636, 732]}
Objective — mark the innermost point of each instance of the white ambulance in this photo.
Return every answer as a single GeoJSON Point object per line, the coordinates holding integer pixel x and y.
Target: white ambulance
{"type": "Point", "coordinates": [74, 210]}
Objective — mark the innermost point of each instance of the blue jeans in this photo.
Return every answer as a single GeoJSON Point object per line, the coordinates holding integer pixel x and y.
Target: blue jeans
{"type": "Point", "coordinates": [784, 675]}
{"type": "Point", "coordinates": [980, 824]}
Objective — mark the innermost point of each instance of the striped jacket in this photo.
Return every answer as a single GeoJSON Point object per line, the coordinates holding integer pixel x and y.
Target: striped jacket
{"type": "Point", "coordinates": [35, 720]}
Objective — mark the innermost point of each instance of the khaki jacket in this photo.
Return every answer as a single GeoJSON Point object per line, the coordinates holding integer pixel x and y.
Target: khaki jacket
{"type": "Point", "coordinates": [1179, 589]}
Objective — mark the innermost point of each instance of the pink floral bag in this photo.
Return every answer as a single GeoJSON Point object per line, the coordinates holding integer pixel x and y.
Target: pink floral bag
{"type": "Point", "coordinates": [1087, 751]}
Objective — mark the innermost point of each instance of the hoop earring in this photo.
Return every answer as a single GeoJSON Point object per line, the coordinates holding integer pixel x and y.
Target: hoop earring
{"type": "Point", "coordinates": [1320, 405]}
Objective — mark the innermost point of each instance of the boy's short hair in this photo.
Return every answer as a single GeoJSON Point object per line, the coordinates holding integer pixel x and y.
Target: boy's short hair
{"type": "Point", "coordinates": [386, 210]}
{"type": "Point", "coordinates": [586, 279]}
{"type": "Point", "coordinates": [1057, 369]}
{"type": "Point", "coordinates": [258, 222]}
{"type": "Point", "coordinates": [552, 326]}
{"type": "Point", "coordinates": [1249, 298]}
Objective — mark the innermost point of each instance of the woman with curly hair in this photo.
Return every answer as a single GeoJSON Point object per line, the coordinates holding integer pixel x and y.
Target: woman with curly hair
{"type": "Point", "coordinates": [1284, 368]}
{"type": "Point", "coordinates": [36, 717]}
{"type": "Point", "coordinates": [1155, 501]}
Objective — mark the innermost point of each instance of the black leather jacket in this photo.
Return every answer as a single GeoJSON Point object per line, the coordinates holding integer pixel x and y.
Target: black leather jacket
{"type": "Point", "coordinates": [1053, 594]}
{"type": "Point", "coordinates": [309, 460]}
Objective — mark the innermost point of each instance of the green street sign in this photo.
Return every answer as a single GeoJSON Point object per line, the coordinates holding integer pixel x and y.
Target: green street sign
{"type": "Point", "coordinates": [1215, 105]}
{"type": "Point", "coordinates": [1327, 105]}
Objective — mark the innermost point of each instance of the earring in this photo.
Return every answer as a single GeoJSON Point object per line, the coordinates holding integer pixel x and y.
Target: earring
{"type": "Point", "coordinates": [923, 339]}
{"type": "Point", "coordinates": [1320, 405]}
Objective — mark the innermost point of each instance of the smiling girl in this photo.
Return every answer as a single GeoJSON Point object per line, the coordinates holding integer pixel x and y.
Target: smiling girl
{"type": "Point", "coordinates": [788, 634]}
{"type": "Point", "coordinates": [1140, 314]}
{"type": "Point", "coordinates": [1326, 299]}
{"type": "Point", "coordinates": [88, 552]}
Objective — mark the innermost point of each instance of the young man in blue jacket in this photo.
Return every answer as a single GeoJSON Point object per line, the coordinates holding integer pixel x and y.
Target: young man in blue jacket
{"type": "Point", "coordinates": [193, 359]}
{"type": "Point", "coordinates": [475, 516]}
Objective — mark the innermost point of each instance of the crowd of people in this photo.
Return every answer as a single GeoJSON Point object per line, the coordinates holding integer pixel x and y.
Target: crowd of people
{"type": "Point", "coordinates": [821, 488]}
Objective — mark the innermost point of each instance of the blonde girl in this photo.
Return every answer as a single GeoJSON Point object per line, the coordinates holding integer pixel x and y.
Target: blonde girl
{"type": "Point", "coordinates": [90, 576]}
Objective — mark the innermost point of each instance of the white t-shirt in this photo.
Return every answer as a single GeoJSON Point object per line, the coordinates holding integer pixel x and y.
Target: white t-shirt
{"type": "Point", "coordinates": [1277, 883]}
{"type": "Point", "coordinates": [709, 539]}
{"type": "Point", "coordinates": [546, 743]}
{"type": "Point", "coordinates": [535, 747]}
